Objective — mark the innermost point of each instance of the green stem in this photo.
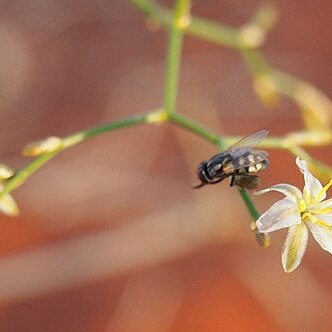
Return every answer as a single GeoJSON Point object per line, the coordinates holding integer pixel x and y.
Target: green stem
{"type": "Point", "coordinates": [249, 203]}
{"type": "Point", "coordinates": [263, 239]}
{"type": "Point", "coordinates": [118, 124]}
{"type": "Point", "coordinates": [264, 20]}
{"type": "Point", "coordinates": [201, 28]}
{"type": "Point", "coordinates": [179, 22]}
{"type": "Point", "coordinates": [196, 128]}
{"type": "Point", "coordinates": [21, 176]}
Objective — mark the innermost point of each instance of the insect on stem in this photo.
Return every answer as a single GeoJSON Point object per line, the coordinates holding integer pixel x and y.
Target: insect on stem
{"type": "Point", "coordinates": [240, 162]}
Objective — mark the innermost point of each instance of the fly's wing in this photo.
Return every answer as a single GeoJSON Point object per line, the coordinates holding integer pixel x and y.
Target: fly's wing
{"type": "Point", "coordinates": [238, 155]}
{"type": "Point", "coordinates": [246, 144]}
{"type": "Point", "coordinates": [246, 159]}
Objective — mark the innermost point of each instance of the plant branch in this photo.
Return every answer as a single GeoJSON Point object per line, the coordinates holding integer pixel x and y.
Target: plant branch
{"type": "Point", "coordinates": [180, 20]}
{"type": "Point", "coordinates": [22, 175]}
{"type": "Point", "coordinates": [196, 128]}
{"type": "Point", "coordinates": [210, 31]}
{"type": "Point", "coordinates": [249, 203]}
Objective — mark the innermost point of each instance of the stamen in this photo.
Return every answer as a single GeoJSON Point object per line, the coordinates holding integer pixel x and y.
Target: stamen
{"type": "Point", "coordinates": [324, 224]}
{"type": "Point", "coordinates": [322, 192]}
{"type": "Point", "coordinates": [323, 211]}
{"type": "Point", "coordinates": [302, 205]}
{"type": "Point", "coordinates": [305, 216]}
{"type": "Point", "coordinates": [313, 219]}
{"type": "Point", "coordinates": [308, 217]}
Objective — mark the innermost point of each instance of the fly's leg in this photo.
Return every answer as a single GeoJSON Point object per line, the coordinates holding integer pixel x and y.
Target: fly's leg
{"type": "Point", "coordinates": [232, 180]}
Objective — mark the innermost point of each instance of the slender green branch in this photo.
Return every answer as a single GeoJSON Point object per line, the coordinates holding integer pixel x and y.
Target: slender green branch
{"type": "Point", "coordinates": [22, 175]}
{"type": "Point", "coordinates": [196, 128]}
{"type": "Point", "coordinates": [241, 39]}
{"type": "Point", "coordinates": [200, 28]}
{"type": "Point", "coordinates": [263, 239]}
{"type": "Point", "coordinates": [180, 20]}
{"type": "Point", "coordinates": [249, 203]}
{"type": "Point", "coordinates": [314, 105]}
{"type": "Point", "coordinates": [115, 125]}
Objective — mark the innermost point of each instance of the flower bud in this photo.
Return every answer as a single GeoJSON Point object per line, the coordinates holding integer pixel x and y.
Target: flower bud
{"type": "Point", "coordinates": [37, 148]}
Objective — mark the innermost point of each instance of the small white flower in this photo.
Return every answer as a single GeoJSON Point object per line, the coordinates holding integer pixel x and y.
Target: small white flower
{"type": "Point", "coordinates": [300, 211]}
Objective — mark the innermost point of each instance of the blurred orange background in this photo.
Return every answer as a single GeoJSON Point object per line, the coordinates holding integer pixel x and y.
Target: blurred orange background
{"type": "Point", "coordinates": [111, 236]}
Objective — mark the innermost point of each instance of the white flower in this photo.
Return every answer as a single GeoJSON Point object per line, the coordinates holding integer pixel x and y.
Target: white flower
{"type": "Point", "coordinates": [300, 211]}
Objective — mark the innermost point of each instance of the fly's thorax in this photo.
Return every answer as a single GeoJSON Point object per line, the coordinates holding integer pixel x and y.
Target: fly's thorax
{"type": "Point", "coordinates": [216, 165]}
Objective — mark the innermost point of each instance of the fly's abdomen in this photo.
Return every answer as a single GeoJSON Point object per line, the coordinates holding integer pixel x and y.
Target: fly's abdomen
{"type": "Point", "coordinates": [252, 169]}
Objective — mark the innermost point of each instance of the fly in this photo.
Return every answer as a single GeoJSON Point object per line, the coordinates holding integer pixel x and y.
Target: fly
{"type": "Point", "coordinates": [240, 162]}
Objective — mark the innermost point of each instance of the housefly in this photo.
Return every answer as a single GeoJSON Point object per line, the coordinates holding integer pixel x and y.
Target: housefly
{"type": "Point", "coordinates": [240, 162]}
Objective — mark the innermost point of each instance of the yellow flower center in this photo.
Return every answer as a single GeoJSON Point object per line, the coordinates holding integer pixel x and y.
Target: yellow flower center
{"type": "Point", "coordinates": [302, 205]}
{"type": "Point", "coordinates": [307, 214]}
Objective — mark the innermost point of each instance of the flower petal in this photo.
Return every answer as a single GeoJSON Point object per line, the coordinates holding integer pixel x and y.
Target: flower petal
{"type": "Point", "coordinates": [312, 186]}
{"type": "Point", "coordinates": [8, 206]}
{"type": "Point", "coordinates": [323, 211]}
{"type": "Point", "coordinates": [284, 188]}
{"type": "Point", "coordinates": [282, 214]}
{"type": "Point", "coordinates": [294, 247]}
{"type": "Point", "coordinates": [322, 234]}
{"type": "Point", "coordinates": [325, 218]}
{"type": "Point", "coordinates": [324, 207]}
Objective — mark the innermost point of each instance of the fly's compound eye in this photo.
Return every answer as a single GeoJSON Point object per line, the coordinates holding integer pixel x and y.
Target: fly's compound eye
{"type": "Point", "coordinates": [265, 164]}
{"type": "Point", "coordinates": [202, 173]}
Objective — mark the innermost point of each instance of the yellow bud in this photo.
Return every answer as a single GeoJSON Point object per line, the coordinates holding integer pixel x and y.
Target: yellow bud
{"type": "Point", "coordinates": [183, 22]}
{"type": "Point", "coordinates": [315, 106]}
{"type": "Point", "coordinates": [266, 91]}
{"type": "Point", "coordinates": [37, 148]}
{"type": "Point", "coordinates": [253, 226]}
{"type": "Point", "coordinates": [252, 35]}
{"type": "Point", "coordinates": [6, 172]}
{"type": "Point", "coordinates": [263, 239]}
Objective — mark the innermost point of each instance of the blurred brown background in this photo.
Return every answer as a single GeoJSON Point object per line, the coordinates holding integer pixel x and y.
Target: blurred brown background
{"type": "Point", "coordinates": [111, 235]}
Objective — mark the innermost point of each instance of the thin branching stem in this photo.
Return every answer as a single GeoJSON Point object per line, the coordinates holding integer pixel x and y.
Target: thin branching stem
{"type": "Point", "coordinates": [180, 20]}
{"type": "Point", "coordinates": [200, 28]}
{"type": "Point", "coordinates": [196, 128]}
{"type": "Point", "coordinates": [249, 203]}
{"type": "Point", "coordinates": [22, 175]}
{"type": "Point", "coordinates": [177, 22]}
